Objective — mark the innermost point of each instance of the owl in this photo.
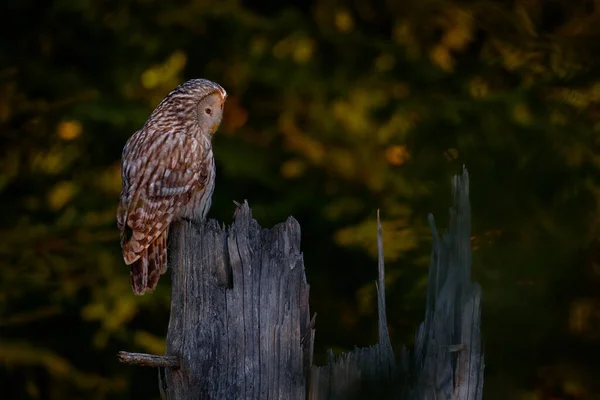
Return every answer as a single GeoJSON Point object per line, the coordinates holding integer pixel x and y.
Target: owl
{"type": "Point", "coordinates": [168, 173]}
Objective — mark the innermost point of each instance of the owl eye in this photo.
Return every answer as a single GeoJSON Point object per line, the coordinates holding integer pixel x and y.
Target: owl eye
{"type": "Point", "coordinates": [208, 111]}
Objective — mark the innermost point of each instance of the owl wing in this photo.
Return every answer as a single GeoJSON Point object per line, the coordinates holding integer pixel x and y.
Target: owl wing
{"type": "Point", "coordinates": [159, 173]}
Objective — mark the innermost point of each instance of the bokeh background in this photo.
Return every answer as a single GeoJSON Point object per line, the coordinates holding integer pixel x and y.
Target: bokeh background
{"type": "Point", "coordinates": [336, 108]}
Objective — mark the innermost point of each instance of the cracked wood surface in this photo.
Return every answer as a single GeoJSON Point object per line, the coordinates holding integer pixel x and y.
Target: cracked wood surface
{"type": "Point", "coordinates": [239, 311]}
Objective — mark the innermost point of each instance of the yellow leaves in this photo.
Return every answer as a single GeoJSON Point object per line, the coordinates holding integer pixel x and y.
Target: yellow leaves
{"type": "Point", "coordinates": [398, 238]}
{"type": "Point", "coordinates": [354, 112]}
{"type": "Point", "coordinates": [340, 161]}
{"type": "Point", "coordinates": [534, 61]}
{"type": "Point", "coordinates": [457, 37]}
{"type": "Point", "coordinates": [27, 317]}
{"type": "Point", "coordinates": [347, 157]}
{"type": "Point", "coordinates": [165, 74]}
{"type": "Point", "coordinates": [564, 62]}
{"type": "Point", "coordinates": [24, 354]}
{"type": "Point", "coordinates": [578, 98]}
{"type": "Point", "coordinates": [343, 162]}
{"type": "Point", "coordinates": [160, 79]}
{"type": "Point", "coordinates": [385, 62]}
{"type": "Point", "coordinates": [109, 180]}
{"type": "Point", "coordinates": [53, 160]}
{"type": "Point", "coordinates": [299, 48]}
{"type": "Point", "coordinates": [342, 207]}
{"type": "Point", "coordinates": [403, 34]}
{"type": "Point", "coordinates": [61, 194]}
{"type": "Point", "coordinates": [559, 59]}
{"type": "Point", "coordinates": [98, 218]}
{"type": "Point", "coordinates": [512, 56]}
{"type": "Point", "coordinates": [113, 307]}
{"type": "Point", "coordinates": [69, 130]}
{"type": "Point", "coordinates": [524, 20]}
{"type": "Point", "coordinates": [397, 155]}
{"type": "Point", "coordinates": [94, 311]}
{"type": "Point", "coordinates": [584, 313]}
{"type": "Point", "coordinates": [21, 354]}
{"type": "Point", "coordinates": [304, 51]}
{"type": "Point", "coordinates": [293, 168]}
{"type": "Point", "coordinates": [558, 118]}
{"type": "Point", "coordinates": [451, 154]}
{"type": "Point", "coordinates": [478, 88]}
{"type": "Point", "coordinates": [397, 126]}
{"type": "Point", "coordinates": [354, 119]}
{"type": "Point", "coordinates": [522, 114]}
{"type": "Point", "coordinates": [343, 21]}
{"type": "Point", "coordinates": [50, 162]}
{"type": "Point", "coordinates": [149, 342]}
{"type": "Point", "coordinates": [297, 140]}
{"type": "Point", "coordinates": [258, 46]}
{"type": "Point", "coordinates": [400, 90]}
{"type": "Point", "coordinates": [575, 154]}
{"type": "Point", "coordinates": [458, 33]}
{"type": "Point", "coordinates": [122, 311]}
{"type": "Point", "coordinates": [441, 56]}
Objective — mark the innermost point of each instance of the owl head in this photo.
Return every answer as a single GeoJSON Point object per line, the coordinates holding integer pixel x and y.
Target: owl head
{"type": "Point", "coordinates": [197, 104]}
{"type": "Point", "coordinates": [209, 110]}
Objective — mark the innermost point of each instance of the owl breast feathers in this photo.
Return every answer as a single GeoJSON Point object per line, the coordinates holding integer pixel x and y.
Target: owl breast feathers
{"type": "Point", "coordinates": [168, 172]}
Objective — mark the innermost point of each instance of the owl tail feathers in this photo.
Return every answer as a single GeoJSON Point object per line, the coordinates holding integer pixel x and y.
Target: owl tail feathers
{"type": "Point", "coordinates": [146, 270]}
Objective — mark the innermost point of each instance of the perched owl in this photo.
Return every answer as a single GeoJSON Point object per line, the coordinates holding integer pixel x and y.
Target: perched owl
{"type": "Point", "coordinates": [168, 172]}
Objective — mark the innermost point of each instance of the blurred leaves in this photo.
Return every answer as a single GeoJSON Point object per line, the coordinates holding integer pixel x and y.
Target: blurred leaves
{"type": "Point", "coordinates": [69, 130]}
{"type": "Point", "coordinates": [20, 354]}
{"type": "Point", "coordinates": [334, 110]}
{"type": "Point", "coordinates": [398, 238]}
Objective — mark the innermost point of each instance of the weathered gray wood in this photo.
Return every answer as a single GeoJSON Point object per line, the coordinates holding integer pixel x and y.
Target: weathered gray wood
{"type": "Point", "coordinates": [369, 370]}
{"type": "Point", "coordinates": [447, 360]}
{"type": "Point", "coordinates": [148, 360]}
{"type": "Point", "coordinates": [239, 312]}
{"type": "Point", "coordinates": [240, 326]}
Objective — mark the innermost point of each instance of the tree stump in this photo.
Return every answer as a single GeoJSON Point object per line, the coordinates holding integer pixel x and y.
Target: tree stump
{"type": "Point", "coordinates": [240, 324]}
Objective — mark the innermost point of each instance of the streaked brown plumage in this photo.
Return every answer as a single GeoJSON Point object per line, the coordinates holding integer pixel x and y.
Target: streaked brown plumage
{"type": "Point", "coordinates": [168, 172]}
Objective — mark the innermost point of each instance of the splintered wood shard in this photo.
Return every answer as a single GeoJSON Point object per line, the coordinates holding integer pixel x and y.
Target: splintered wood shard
{"type": "Point", "coordinates": [369, 371]}
{"type": "Point", "coordinates": [447, 359]}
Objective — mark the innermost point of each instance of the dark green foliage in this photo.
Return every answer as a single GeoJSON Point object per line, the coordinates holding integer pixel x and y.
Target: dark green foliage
{"type": "Point", "coordinates": [335, 110]}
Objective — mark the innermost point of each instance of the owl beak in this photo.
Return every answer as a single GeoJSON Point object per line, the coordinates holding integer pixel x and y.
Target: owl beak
{"type": "Point", "coordinates": [223, 93]}
{"type": "Point", "coordinates": [214, 128]}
